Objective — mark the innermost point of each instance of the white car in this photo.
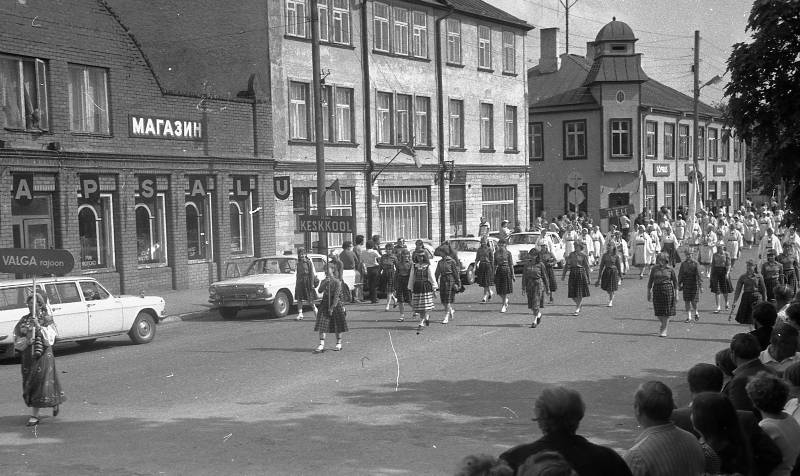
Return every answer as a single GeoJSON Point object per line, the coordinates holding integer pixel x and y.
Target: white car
{"type": "Point", "coordinates": [82, 310]}
{"type": "Point", "coordinates": [466, 249]}
{"type": "Point", "coordinates": [268, 283]}
{"type": "Point", "coordinates": [519, 244]}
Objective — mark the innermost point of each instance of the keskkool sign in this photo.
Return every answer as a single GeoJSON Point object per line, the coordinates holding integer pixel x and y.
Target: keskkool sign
{"type": "Point", "coordinates": [35, 261]}
{"type": "Point", "coordinates": [314, 223]}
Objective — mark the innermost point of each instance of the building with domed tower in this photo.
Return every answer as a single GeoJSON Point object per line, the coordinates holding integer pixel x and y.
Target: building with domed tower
{"type": "Point", "coordinates": [602, 133]}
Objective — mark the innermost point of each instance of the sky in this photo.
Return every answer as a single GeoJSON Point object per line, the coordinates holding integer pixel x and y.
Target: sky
{"type": "Point", "coordinates": [665, 29]}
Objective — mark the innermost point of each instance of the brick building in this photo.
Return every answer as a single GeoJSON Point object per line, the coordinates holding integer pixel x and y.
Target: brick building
{"type": "Point", "coordinates": [150, 168]}
{"type": "Point", "coordinates": [627, 135]}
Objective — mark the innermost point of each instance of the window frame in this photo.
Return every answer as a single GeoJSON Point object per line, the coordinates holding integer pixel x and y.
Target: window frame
{"type": "Point", "coordinates": [577, 135]}
{"type": "Point", "coordinates": [533, 142]}
{"type": "Point", "coordinates": [341, 16]}
{"type": "Point", "coordinates": [510, 128]}
{"type": "Point", "coordinates": [387, 113]}
{"type": "Point", "coordinates": [684, 140]}
{"type": "Point", "coordinates": [323, 13]}
{"type": "Point", "coordinates": [385, 28]}
{"type": "Point", "coordinates": [486, 126]}
{"type": "Point", "coordinates": [207, 219]}
{"type": "Point", "coordinates": [669, 144]}
{"type": "Point", "coordinates": [246, 231]}
{"type": "Point", "coordinates": [651, 139]}
{"type": "Point", "coordinates": [459, 121]}
{"type": "Point", "coordinates": [104, 230]}
{"type": "Point", "coordinates": [484, 47]}
{"type": "Point", "coordinates": [701, 141]}
{"type": "Point", "coordinates": [713, 143]}
{"type": "Point", "coordinates": [403, 125]}
{"type": "Point", "coordinates": [88, 102]}
{"type": "Point", "coordinates": [417, 116]}
{"type": "Point", "coordinates": [512, 47]}
{"type": "Point", "coordinates": [419, 35]}
{"type": "Point", "coordinates": [338, 122]}
{"type": "Point", "coordinates": [42, 109]}
{"type": "Point", "coordinates": [295, 105]}
{"type": "Point", "coordinates": [294, 30]}
{"type": "Point", "coordinates": [725, 146]}
{"type": "Point", "coordinates": [455, 55]}
{"type": "Point", "coordinates": [651, 196]}
{"type": "Point", "coordinates": [625, 138]}
{"type": "Point", "coordinates": [159, 202]}
{"type": "Point", "coordinates": [401, 31]}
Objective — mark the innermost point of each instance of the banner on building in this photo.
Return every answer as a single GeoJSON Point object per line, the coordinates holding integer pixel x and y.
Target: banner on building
{"type": "Point", "coordinates": [283, 187]}
{"type": "Point", "coordinates": [660, 170]}
{"type": "Point", "coordinates": [616, 211]}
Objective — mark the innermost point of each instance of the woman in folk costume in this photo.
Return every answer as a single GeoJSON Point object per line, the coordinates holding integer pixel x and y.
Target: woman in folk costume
{"type": "Point", "coordinates": [422, 285]}
{"type": "Point", "coordinates": [332, 315]}
{"type": "Point", "coordinates": [720, 279]}
{"type": "Point", "coordinates": [624, 254]}
{"type": "Point", "coordinates": [608, 277]}
{"type": "Point", "coordinates": [570, 236]}
{"type": "Point", "coordinates": [734, 242]}
{"type": "Point", "coordinates": [578, 286]}
{"type": "Point", "coordinates": [388, 265]}
{"type": "Point", "coordinates": [750, 286]}
{"type": "Point", "coordinates": [690, 282]}
{"type": "Point", "coordinates": [504, 273]}
{"type": "Point", "coordinates": [598, 243]}
{"type": "Point", "coordinates": [549, 262]}
{"type": "Point", "coordinates": [484, 275]}
{"type": "Point", "coordinates": [750, 230]}
{"type": "Point", "coordinates": [764, 222]}
{"type": "Point", "coordinates": [707, 248]}
{"type": "Point", "coordinates": [669, 245]}
{"type": "Point", "coordinates": [680, 229]}
{"type": "Point", "coordinates": [588, 245]}
{"type": "Point", "coordinates": [306, 281]}
{"type": "Point", "coordinates": [402, 292]}
{"type": "Point", "coordinates": [655, 240]}
{"type": "Point", "coordinates": [448, 276]}
{"type": "Point", "coordinates": [535, 284]}
{"type": "Point", "coordinates": [662, 289]}
{"type": "Point", "coordinates": [34, 336]}
{"type": "Point", "coordinates": [642, 250]}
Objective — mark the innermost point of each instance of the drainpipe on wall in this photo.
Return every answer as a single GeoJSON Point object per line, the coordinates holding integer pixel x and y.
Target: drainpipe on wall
{"type": "Point", "coordinates": [369, 164]}
{"type": "Point", "coordinates": [440, 108]}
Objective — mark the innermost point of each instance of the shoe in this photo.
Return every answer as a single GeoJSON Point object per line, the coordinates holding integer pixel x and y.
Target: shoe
{"type": "Point", "coordinates": [727, 307]}
{"type": "Point", "coordinates": [402, 318]}
{"type": "Point", "coordinates": [32, 421]}
{"type": "Point", "coordinates": [446, 319]}
{"type": "Point", "coordinates": [427, 322]}
{"type": "Point", "coordinates": [394, 305]}
{"type": "Point", "coordinates": [299, 317]}
{"type": "Point", "coordinates": [696, 316]}
{"type": "Point", "coordinates": [387, 307]}
{"type": "Point", "coordinates": [663, 333]}
{"type": "Point", "coordinates": [56, 410]}
{"type": "Point", "coordinates": [610, 304]}
{"type": "Point", "coordinates": [551, 299]}
{"type": "Point", "coordinates": [420, 326]}
{"type": "Point", "coordinates": [338, 346]}
{"type": "Point", "coordinates": [533, 325]}
{"type": "Point", "coordinates": [716, 311]}
{"type": "Point", "coordinates": [504, 308]}
{"type": "Point", "coordinates": [320, 349]}
{"type": "Point", "coordinates": [538, 318]}
{"type": "Point", "coordinates": [688, 320]}
{"type": "Point", "coordinates": [483, 300]}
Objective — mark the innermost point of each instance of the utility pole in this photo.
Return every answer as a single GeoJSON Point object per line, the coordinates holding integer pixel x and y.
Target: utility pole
{"type": "Point", "coordinates": [322, 243]}
{"type": "Point", "coordinates": [695, 182]}
{"type": "Point", "coordinates": [567, 6]}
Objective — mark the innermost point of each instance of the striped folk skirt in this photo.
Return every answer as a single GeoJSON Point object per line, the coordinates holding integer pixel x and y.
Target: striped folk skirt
{"type": "Point", "coordinates": [422, 297]}
{"type": "Point", "coordinates": [609, 280]}
{"type": "Point", "coordinates": [664, 299]}
{"type": "Point", "coordinates": [484, 275]}
{"type": "Point", "coordinates": [578, 283]}
{"type": "Point", "coordinates": [720, 283]}
{"type": "Point", "coordinates": [504, 280]}
{"type": "Point", "coordinates": [745, 313]}
{"type": "Point", "coordinates": [401, 291]}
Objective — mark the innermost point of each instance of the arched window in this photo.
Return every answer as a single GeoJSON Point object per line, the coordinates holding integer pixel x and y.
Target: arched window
{"type": "Point", "coordinates": [144, 233]}
{"type": "Point", "coordinates": [237, 227]}
{"type": "Point", "coordinates": [195, 244]}
{"type": "Point", "coordinates": [91, 237]}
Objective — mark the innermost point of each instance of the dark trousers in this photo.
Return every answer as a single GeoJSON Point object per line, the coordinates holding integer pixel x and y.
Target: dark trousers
{"type": "Point", "coordinates": [625, 233]}
{"type": "Point", "coordinates": [373, 277]}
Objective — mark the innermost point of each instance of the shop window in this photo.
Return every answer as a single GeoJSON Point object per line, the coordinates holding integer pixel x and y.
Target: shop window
{"type": "Point", "coordinates": [458, 210]}
{"type": "Point", "coordinates": [404, 212]}
{"type": "Point", "coordinates": [151, 230]}
{"type": "Point", "coordinates": [241, 221]}
{"type": "Point", "coordinates": [498, 204]}
{"type": "Point", "coordinates": [199, 223]}
{"type": "Point", "coordinates": [88, 99]}
{"type": "Point", "coordinates": [96, 231]}
{"type": "Point", "coordinates": [683, 194]}
{"type": "Point", "coordinates": [537, 201]}
{"type": "Point", "coordinates": [23, 93]}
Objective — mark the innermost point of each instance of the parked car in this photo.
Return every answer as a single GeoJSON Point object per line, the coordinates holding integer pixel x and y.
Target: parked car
{"type": "Point", "coordinates": [466, 249]}
{"type": "Point", "coordinates": [83, 310]}
{"type": "Point", "coordinates": [520, 243]}
{"type": "Point", "coordinates": [268, 283]}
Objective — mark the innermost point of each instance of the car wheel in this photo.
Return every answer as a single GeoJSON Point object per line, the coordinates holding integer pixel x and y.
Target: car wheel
{"type": "Point", "coordinates": [144, 329]}
{"type": "Point", "coordinates": [85, 342]}
{"type": "Point", "coordinates": [228, 312]}
{"type": "Point", "coordinates": [471, 274]}
{"type": "Point", "coordinates": [281, 304]}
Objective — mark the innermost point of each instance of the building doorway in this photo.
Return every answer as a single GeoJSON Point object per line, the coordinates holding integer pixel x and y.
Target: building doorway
{"type": "Point", "coordinates": [458, 210]}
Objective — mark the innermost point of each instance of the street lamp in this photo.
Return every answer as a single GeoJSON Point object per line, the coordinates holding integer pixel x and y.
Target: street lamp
{"type": "Point", "coordinates": [405, 149]}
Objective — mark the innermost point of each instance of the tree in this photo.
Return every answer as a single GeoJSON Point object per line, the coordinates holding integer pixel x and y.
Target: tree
{"type": "Point", "coordinates": [764, 92]}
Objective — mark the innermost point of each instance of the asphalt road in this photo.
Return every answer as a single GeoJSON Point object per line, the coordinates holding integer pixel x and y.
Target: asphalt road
{"type": "Point", "coordinates": [247, 396]}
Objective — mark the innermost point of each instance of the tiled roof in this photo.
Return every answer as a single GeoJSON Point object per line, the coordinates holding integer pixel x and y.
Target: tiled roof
{"type": "Point", "coordinates": [485, 10]}
{"type": "Point", "coordinates": [570, 76]}
{"type": "Point", "coordinates": [616, 69]}
{"type": "Point", "coordinates": [573, 97]}
{"type": "Point", "coordinates": [659, 95]}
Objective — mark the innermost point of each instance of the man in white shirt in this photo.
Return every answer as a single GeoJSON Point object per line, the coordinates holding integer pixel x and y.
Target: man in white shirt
{"type": "Point", "coordinates": [782, 349]}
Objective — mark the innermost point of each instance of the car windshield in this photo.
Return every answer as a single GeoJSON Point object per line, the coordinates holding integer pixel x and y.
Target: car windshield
{"type": "Point", "coordinates": [272, 266]}
{"type": "Point", "coordinates": [523, 239]}
{"type": "Point", "coordinates": [465, 245]}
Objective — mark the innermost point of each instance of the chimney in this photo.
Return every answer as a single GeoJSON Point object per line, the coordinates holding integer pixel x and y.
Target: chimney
{"type": "Point", "coordinates": [590, 52]}
{"type": "Point", "coordinates": [548, 56]}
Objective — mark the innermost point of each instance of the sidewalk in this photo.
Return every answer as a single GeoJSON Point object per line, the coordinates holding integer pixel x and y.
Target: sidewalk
{"type": "Point", "coordinates": [184, 304]}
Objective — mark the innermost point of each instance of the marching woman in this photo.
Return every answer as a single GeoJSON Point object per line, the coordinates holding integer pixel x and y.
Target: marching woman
{"type": "Point", "coordinates": [388, 265]}
{"type": "Point", "coordinates": [680, 229]}
{"type": "Point", "coordinates": [669, 245]}
{"type": "Point", "coordinates": [641, 250]}
{"type": "Point", "coordinates": [422, 284]}
{"type": "Point", "coordinates": [720, 279]}
{"type": "Point", "coordinates": [448, 276]}
{"type": "Point", "coordinates": [401, 290]}
{"type": "Point", "coordinates": [570, 237]}
{"type": "Point", "coordinates": [598, 244]}
{"type": "Point", "coordinates": [788, 260]}
{"type": "Point", "coordinates": [662, 290]}
{"type": "Point", "coordinates": [535, 284]}
{"type": "Point", "coordinates": [750, 286]}
{"type": "Point", "coordinates": [734, 242]}
{"type": "Point", "coordinates": [690, 282]}
{"type": "Point", "coordinates": [549, 262]}
{"type": "Point", "coordinates": [34, 336]}
{"type": "Point", "coordinates": [707, 244]}
{"type": "Point", "coordinates": [578, 285]}
{"type": "Point", "coordinates": [772, 272]}
{"type": "Point", "coordinates": [332, 315]}
{"type": "Point", "coordinates": [609, 274]}
{"type": "Point", "coordinates": [750, 230]}
{"type": "Point", "coordinates": [306, 281]}
{"type": "Point", "coordinates": [485, 272]}
{"type": "Point", "coordinates": [504, 273]}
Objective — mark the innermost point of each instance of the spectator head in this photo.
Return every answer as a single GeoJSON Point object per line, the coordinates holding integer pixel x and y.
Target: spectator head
{"type": "Point", "coordinates": [662, 259]}
{"type": "Point", "coordinates": [764, 314]}
{"type": "Point", "coordinates": [744, 347]}
{"type": "Point", "coordinates": [389, 247]}
{"type": "Point", "coordinates": [768, 392]}
{"type": "Point", "coordinates": [715, 418]}
{"type": "Point", "coordinates": [559, 410]}
{"type": "Point", "coordinates": [483, 465]}
{"type": "Point", "coordinates": [301, 252]}
{"type": "Point", "coordinates": [546, 463]}
{"type": "Point", "coordinates": [705, 378]}
{"type": "Point", "coordinates": [347, 245]}
{"type": "Point", "coordinates": [783, 294]}
{"type": "Point", "coordinates": [653, 403]}
{"type": "Point", "coordinates": [724, 361]}
{"type": "Point", "coordinates": [370, 245]}
{"type": "Point", "coordinates": [783, 342]}
{"type": "Point", "coordinates": [793, 315]}
{"type": "Point", "coordinates": [359, 240]}
{"type": "Point", "coordinates": [792, 374]}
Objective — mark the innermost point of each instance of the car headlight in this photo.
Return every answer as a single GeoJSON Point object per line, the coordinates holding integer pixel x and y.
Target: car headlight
{"type": "Point", "coordinates": [212, 291]}
{"type": "Point", "coordinates": [261, 290]}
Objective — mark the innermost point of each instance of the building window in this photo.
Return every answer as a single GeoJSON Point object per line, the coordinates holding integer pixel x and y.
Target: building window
{"type": "Point", "coordinates": [23, 94]}
{"type": "Point", "coordinates": [403, 119]}
{"type": "Point", "coordinates": [456, 123]}
{"type": "Point", "coordinates": [576, 200]}
{"type": "Point", "coordinates": [726, 148]}
{"type": "Point", "coordinates": [384, 117]}
{"type": "Point", "coordinates": [484, 47]}
{"type": "Point", "coordinates": [453, 41]}
{"type": "Point", "coordinates": [537, 201]}
{"type": "Point", "coordinates": [151, 230]}
{"type": "Point", "coordinates": [712, 190]}
{"type": "Point", "coordinates": [669, 195]}
{"type": "Point", "coordinates": [336, 205]}
{"type": "Point", "coordinates": [458, 210]}
{"type": "Point", "coordinates": [324, 26]}
{"type": "Point", "coordinates": [685, 141]}
{"type": "Point", "coordinates": [620, 138]}
{"type": "Point", "coordinates": [487, 126]}
{"type": "Point", "coordinates": [422, 124]}
{"type": "Point", "coordinates": [651, 139]}
{"type": "Point", "coordinates": [380, 14]}
{"type": "Point", "coordinates": [499, 203]}
{"type": "Point", "coordinates": [298, 111]}
{"type": "Point", "coordinates": [344, 115]}
{"type": "Point", "coordinates": [199, 239]}
{"type": "Point", "coordinates": [88, 99]}
{"type": "Point", "coordinates": [419, 42]}
{"type": "Point", "coordinates": [341, 22]}
{"type": "Point", "coordinates": [713, 143]}
{"type": "Point", "coordinates": [669, 141]}
{"type": "Point", "coordinates": [737, 194]}
{"type": "Point", "coordinates": [738, 150]}
{"type": "Point", "coordinates": [701, 142]}
{"type": "Point", "coordinates": [511, 128]}
{"type": "Point", "coordinates": [404, 212]}
{"type": "Point", "coordinates": [536, 145]}
{"type": "Point", "coordinates": [509, 52]}
{"type": "Point", "coordinates": [650, 192]}
{"type": "Point", "coordinates": [724, 189]}
{"type": "Point", "coordinates": [683, 194]}
{"type": "Point", "coordinates": [400, 31]}
{"type": "Point", "coordinates": [575, 139]}
{"type": "Point", "coordinates": [241, 222]}
{"type": "Point", "coordinates": [296, 18]}
{"type": "Point", "coordinates": [96, 231]}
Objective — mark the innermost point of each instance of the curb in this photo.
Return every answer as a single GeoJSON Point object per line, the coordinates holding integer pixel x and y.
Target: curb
{"type": "Point", "coordinates": [186, 316]}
